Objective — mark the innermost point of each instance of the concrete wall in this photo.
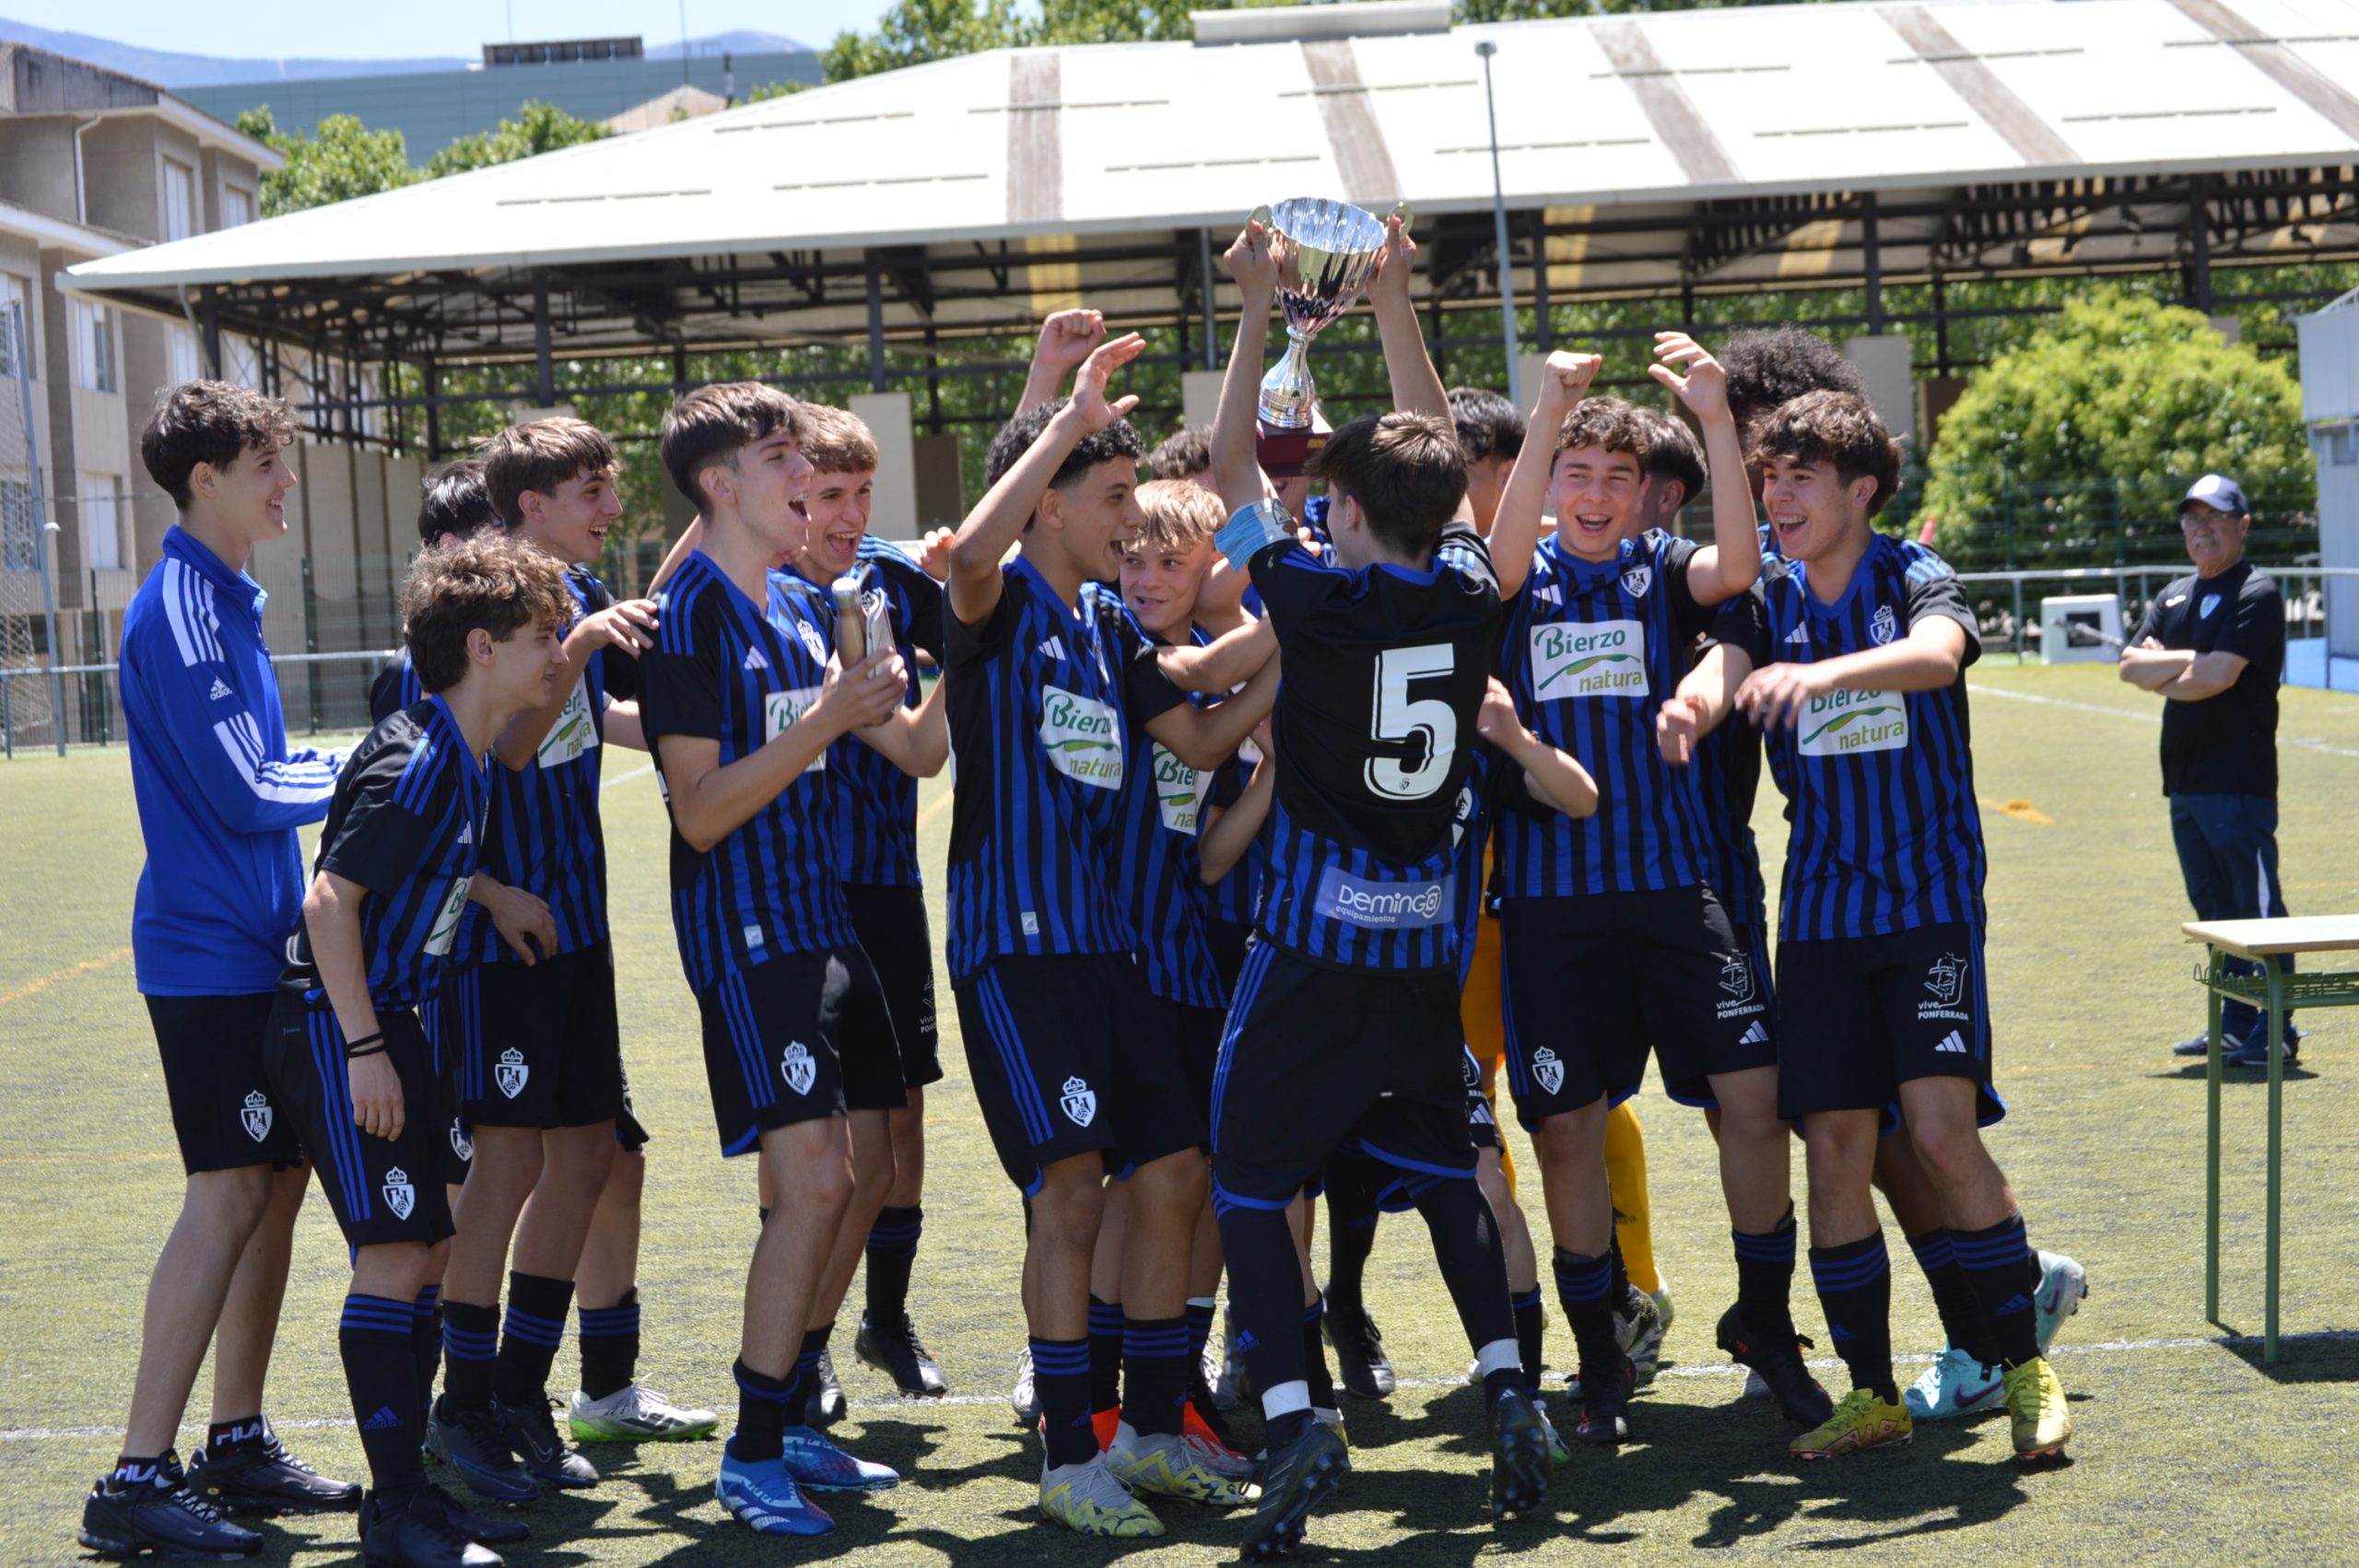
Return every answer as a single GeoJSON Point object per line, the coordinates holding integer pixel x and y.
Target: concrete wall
{"type": "Point", "coordinates": [36, 166]}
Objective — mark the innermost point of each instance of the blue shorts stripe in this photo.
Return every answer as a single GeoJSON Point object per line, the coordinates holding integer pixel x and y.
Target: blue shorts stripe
{"type": "Point", "coordinates": [1012, 1059]}
{"type": "Point", "coordinates": [1402, 1161]}
{"type": "Point", "coordinates": [745, 1036]}
{"type": "Point", "coordinates": [344, 1135]}
{"type": "Point", "coordinates": [1248, 986]}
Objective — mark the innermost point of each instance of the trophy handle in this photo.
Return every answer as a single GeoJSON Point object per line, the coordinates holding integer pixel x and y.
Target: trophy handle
{"type": "Point", "coordinates": [1407, 217]}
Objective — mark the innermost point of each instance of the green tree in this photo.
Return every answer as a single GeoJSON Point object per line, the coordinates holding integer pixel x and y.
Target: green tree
{"type": "Point", "coordinates": [340, 161]}
{"type": "Point", "coordinates": [2073, 448]}
{"type": "Point", "coordinates": [537, 128]}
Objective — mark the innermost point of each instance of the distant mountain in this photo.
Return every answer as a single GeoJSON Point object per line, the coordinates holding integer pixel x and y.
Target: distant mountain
{"type": "Point", "coordinates": [166, 70]}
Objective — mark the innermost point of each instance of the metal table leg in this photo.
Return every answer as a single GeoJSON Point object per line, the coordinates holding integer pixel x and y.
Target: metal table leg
{"type": "Point", "coordinates": [2276, 1140]}
{"type": "Point", "coordinates": [2211, 1145]}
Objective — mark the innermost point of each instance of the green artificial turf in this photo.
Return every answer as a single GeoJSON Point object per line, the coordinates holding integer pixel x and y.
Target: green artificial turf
{"type": "Point", "coordinates": [2187, 1450]}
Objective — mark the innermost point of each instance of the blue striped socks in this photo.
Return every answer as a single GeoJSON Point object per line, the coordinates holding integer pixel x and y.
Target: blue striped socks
{"type": "Point", "coordinates": [1764, 1280]}
{"type": "Point", "coordinates": [1854, 1284]}
{"type": "Point", "coordinates": [892, 1252]}
{"type": "Point", "coordinates": [537, 1307]}
{"type": "Point", "coordinates": [470, 1348]}
{"type": "Point", "coordinates": [1154, 1371]}
{"type": "Point", "coordinates": [2003, 1273]}
{"type": "Point", "coordinates": [1060, 1381]}
{"type": "Point", "coordinates": [374, 1339]}
{"type": "Point", "coordinates": [609, 1345]}
{"type": "Point", "coordinates": [1585, 1287]}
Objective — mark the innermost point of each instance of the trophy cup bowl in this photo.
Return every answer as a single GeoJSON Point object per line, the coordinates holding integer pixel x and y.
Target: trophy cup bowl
{"type": "Point", "coordinates": [1326, 249]}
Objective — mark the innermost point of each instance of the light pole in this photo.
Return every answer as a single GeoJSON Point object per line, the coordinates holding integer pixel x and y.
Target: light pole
{"type": "Point", "coordinates": [1499, 226]}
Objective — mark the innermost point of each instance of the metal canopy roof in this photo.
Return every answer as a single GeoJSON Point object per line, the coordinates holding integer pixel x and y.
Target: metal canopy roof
{"type": "Point", "coordinates": [1769, 147]}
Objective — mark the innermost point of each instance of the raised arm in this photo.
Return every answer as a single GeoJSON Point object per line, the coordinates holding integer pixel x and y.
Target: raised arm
{"type": "Point", "coordinates": [1220, 664]}
{"type": "Point", "coordinates": [1731, 562]}
{"type": "Point", "coordinates": [1515, 532]}
{"type": "Point", "coordinates": [1252, 261]}
{"type": "Point", "coordinates": [1416, 386]}
{"type": "Point", "coordinates": [628, 625]}
{"type": "Point", "coordinates": [1550, 774]}
{"type": "Point", "coordinates": [997, 520]}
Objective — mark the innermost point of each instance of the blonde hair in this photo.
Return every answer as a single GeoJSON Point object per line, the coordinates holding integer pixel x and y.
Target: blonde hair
{"type": "Point", "coordinates": [1180, 513]}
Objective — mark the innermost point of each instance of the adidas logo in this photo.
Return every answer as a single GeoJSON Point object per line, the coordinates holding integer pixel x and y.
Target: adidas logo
{"type": "Point", "coordinates": [2016, 1302]}
{"type": "Point", "coordinates": [1756, 1035]}
{"type": "Point", "coordinates": [754, 660]}
{"type": "Point", "coordinates": [1842, 1335]}
{"type": "Point", "coordinates": [1800, 634]}
{"type": "Point", "coordinates": [467, 833]}
{"type": "Point", "coordinates": [1053, 649]}
{"type": "Point", "coordinates": [220, 689]}
{"type": "Point", "coordinates": [384, 1421]}
{"type": "Point", "coordinates": [1952, 1042]}
{"type": "Point", "coordinates": [1245, 1340]}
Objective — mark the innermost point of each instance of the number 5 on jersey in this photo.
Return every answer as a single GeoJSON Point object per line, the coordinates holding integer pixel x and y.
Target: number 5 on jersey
{"type": "Point", "coordinates": [1401, 720]}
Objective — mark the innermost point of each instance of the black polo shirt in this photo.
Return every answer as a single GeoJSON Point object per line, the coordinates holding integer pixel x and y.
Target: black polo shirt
{"type": "Point", "coordinates": [2225, 744]}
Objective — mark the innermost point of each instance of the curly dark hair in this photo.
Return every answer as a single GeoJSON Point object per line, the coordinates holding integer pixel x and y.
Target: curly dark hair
{"type": "Point", "coordinates": [1183, 454]}
{"type": "Point", "coordinates": [213, 422]}
{"type": "Point", "coordinates": [493, 581]}
{"type": "Point", "coordinates": [456, 501]}
{"type": "Point", "coordinates": [1405, 470]}
{"type": "Point", "coordinates": [1119, 440]}
{"type": "Point", "coordinates": [1488, 425]}
{"type": "Point", "coordinates": [1837, 428]}
{"type": "Point", "coordinates": [1606, 421]}
{"type": "Point", "coordinates": [1672, 452]}
{"type": "Point", "coordinates": [1769, 367]}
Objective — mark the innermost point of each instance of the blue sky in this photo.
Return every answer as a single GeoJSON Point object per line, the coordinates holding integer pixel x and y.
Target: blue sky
{"type": "Point", "coordinates": [278, 29]}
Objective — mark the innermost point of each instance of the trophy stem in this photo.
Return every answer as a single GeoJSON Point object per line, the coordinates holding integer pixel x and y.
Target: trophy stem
{"type": "Point", "coordinates": [1286, 390]}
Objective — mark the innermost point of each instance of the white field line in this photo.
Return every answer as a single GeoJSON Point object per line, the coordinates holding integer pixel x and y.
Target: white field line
{"type": "Point", "coordinates": [1709, 1369]}
{"type": "Point", "coordinates": [2137, 714]}
{"type": "Point", "coordinates": [641, 771]}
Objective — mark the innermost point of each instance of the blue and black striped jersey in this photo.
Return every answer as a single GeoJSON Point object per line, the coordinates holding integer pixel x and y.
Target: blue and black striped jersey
{"type": "Point", "coordinates": [877, 804]}
{"type": "Point", "coordinates": [1385, 670]}
{"type": "Point", "coordinates": [1037, 699]}
{"type": "Point", "coordinates": [1233, 899]}
{"type": "Point", "coordinates": [546, 836]}
{"type": "Point", "coordinates": [1591, 650]}
{"type": "Point", "coordinates": [407, 824]}
{"type": "Point", "coordinates": [1887, 835]}
{"type": "Point", "coordinates": [1727, 771]}
{"type": "Point", "coordinates": [1166, 900]}
{"type": "Point", "coordinates": [394, 689]}
{"type": "Point", "coordinates": [726, 669]}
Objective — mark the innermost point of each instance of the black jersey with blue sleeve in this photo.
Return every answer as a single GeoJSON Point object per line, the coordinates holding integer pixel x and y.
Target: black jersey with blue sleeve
{"type": "Point", "coordinates": [877, 804]}
{"type": "Point", "coordinates": [726, 669]}
{"type": "Point", "coordinates": [1385, 670]}
{"type": "Point", "coordinates": [1038, 700]}
{"type": "Point", "coordinates": [1164, 897]}
{"type": "Point", "coordinates": [1728, 770]}
{"type": "Point", "coordinates": [546, 835]}
{"type": "Point", "coordinates": [394, 689]}
{"type": "Point", "coordinates": [1887, 835]}
{"type": "Point", "coordinates": [1591, 650]}
{"type": "Point", "coordinates": [407, 822]}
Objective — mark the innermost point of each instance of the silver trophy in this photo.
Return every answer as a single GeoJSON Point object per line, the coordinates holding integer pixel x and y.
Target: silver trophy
{"type": "Point", "coordinates": [1326, 252]}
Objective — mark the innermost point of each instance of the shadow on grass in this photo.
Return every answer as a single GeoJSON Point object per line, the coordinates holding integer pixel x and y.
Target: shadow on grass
{"type": "Point", "coordinates": [2233, 1077]}
{"type": "Point", "coordinates": [2332, 1357]}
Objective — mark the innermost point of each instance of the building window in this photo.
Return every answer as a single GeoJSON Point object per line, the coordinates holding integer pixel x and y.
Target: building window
{"type": "Point", "coordinates": [16, 327]}
{"type": "Point", "coordinates": [182, 363]}
{"type": "Point", "coordinates": [237, 207]}
{"type": "Point", "coordinates": [180, 200]}
{"type": "Point", "coordinates": [101, 497]}
{"type": "Point", "coordinates": [94, 345]}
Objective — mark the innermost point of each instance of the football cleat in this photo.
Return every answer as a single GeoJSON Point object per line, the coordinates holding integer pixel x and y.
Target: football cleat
{"type": "Point", "coordinates": [531, 1433]}
{"type": "Point", "coordinates": [2042, 1420]}
{"type": "Point", "coordinates": [164, 1516]}
{"type": "Point", "coordinates": [1861, 1421]}
{"type": "Point", "coordinates": [1521, 1465]}
{"type": "Point", "coordinates": [1024, 1399]}
{"type": "Point", "coordinates": [263, 1477]}
{"type": "Point", "coordinates": [1362, 1368]}
{"type": "Point", "coordinates": [818, 1465]}
{"type": "Point", "coordinates": [417, 1534]}
{"type": "Point", "coordinates": [1777, 1359]}
{"type": "Point", "coordinates": [1957, 1385]}
{"type": "Point", "coordinates": [475, 1444]}
{"type": "Point", "coordinates": [637, 1414]}
{"type": "Point", "coordinates": [895, 1350]}
{"type": "Point", "coordinates": [1638, 1325]}
{"type": "Point", "coordinates": [1231, 1384]}
{"type": "Point", "coordinates": [1103, 1425]}
{"type": "Point", "coordinates": [1605, 1406]}
{"type": "Point", "coordinates": [1167, 1465]}
{"type": "Point", "coordinates": [1560, 1453]}
{"type": "Point", "coordinates": [475, 1527]}
{"type": "Point", "coordinates": [765, 1497]}
{"type": "Point", "coordinates": [1089, 1500]}
{"type": "Point", "coordinates": [824, 1401]}
{"type": "Point", "coordinates": [2063, 1284]}
{"type": "Point", "coordinates": [1201, 1420]}
{"type": "Point", "coordinates": [1294, 1481]}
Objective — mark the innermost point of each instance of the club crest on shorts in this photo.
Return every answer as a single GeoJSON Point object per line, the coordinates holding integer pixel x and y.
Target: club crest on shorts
{"type": "Point", "coordinates": [1883, 626]}
{"type": "Point", "coordinates": [1945, 981]}
{"type": "Point", "coordinates": [1080, 1102]}
{"type": "Point", "coordinates": [1636, 580]}
{"type": "Point", "coordinates": [512, 1072]}
{"type": "Point", "coordinates": [1736, 977]}
{"type": "Point", "coordinates": [399, 1196]}
{"type": "Point", "coordinates": [461, 1144]}
{"type": "Point", "coordinates": [800, 1070]}
{"type": "Point", "coordinates": [1548, 1069]}
{"type": "Point", "coordinates": [255, 1115]}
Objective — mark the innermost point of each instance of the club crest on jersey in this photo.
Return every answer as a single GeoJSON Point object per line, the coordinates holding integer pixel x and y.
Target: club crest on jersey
{"type": "Point", "coordinates": [812, 640]}
{"type": "Point", "coordinates": [511, 1074]}
{"type": "Point", "coordinates": [1636, 580]}
{"type": "Point", "coordinates": [256, 1115]}
{"type": "Point", "coordinates": [1080, 1102]}
{"type": "Point", "coordinates": [1844, 722]}
{"type": "Point", "coordinates": [1883, 626]}
{"type": "Point", "coordinates": [800, 1070]}
{"type": "Point", "coordinates": [2211, 603]}
{"type": "Point", "coordinates": [399, 1196]}
{"type": "Point", "coordinates": [461, 1144]}
{"type": "Point", "coordinates": [1547, 1068]}
{"type": "Point", "coordinates": [1589, 658]}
